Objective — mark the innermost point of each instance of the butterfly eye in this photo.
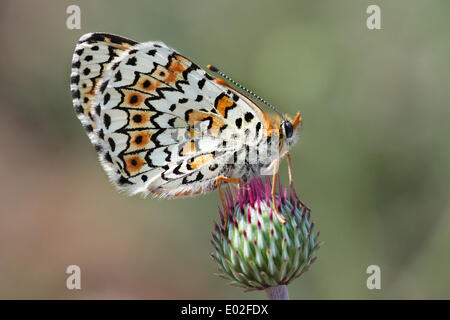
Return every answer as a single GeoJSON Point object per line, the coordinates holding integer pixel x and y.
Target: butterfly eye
{"type": "Point", "coordinates": [288, 129]}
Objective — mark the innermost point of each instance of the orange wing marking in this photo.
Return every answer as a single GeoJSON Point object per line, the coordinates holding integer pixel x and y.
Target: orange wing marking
{"type": "Point", "coordinates": [201, 160]}
{"type": "Point", "coordinates": [134, 163]}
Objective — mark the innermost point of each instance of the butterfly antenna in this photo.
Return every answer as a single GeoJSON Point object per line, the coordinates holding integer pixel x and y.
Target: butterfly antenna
{"type": "Point", "coordinates": [216, 70]}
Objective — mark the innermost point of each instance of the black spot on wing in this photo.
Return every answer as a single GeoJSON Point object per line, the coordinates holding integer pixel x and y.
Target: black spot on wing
{"type": "Point", "coordinates": [171, 122]}
{"type": "Point", "coordinates": [258, 128]}
{"type": "Point", "coordinates": [108, 157]}
{"type": "Point", "coordinates": [177, 169]}
{"type": "Point", "coordinates": [169, 154]}
{"type": "Point", "coordinates": [118, 76]}
{"type": "Point", "coordinates": [187, 113]}
{"type": "Point", "coordinates": [137, 118]}
{"type": "Point", "coordinates": [75, 79]}
{"type": "Point", "coordinates": [249, 116]}
{"type": "Point", "coordinates": [201, 83]}
{"type": "Point", "coordinates": [101, 134]}
{"type": "Point", "coordinates": [76, 64]}
{"type": "Point", "coordinates": [79, 109]}
{"type": "Point", "coordinates": [76, 94]}
{"type": "Point", "coordinates": [88, 128]}
{"type": "Point", "coordinates": [112, 144]}
{"type": "Point", "coordinates": [103, 86]}
{"type": "Point", "coordinates": [106, 98]}
{"type": "Point", "coordinates": [122, 180]}
{"type": "Point", "coordinates": [138, 139]}
{"type": "Point", "coordinates": [197, 178]}
{"type": "Point", "coordinates": [131, 61]}
{"type": "Point", "coordinates": [115, 65]}
{"type": "Point", "coordinates": [107, 120]}
{"type": "Point", "coordinates": [223, 127]}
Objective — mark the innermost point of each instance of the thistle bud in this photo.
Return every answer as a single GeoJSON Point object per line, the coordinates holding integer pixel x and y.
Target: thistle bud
{"type": "Point", "coordinates": [257, 251]}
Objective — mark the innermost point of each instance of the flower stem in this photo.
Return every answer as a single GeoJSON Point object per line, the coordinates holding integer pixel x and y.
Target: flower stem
{"type": "Point", "coordinates": [278, 293]}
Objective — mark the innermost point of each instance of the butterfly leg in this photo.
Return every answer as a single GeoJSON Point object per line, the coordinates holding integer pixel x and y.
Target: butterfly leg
{"type": "Point", "coordinates": [222, 199]}
{"type": "Point", "coordinates": [274, 184]}
{"type": "Point", "coordinates": [287, 155]}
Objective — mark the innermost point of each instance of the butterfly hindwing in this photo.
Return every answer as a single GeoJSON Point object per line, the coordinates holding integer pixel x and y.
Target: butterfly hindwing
{"type": "Point", "coordinates": [159, 122]}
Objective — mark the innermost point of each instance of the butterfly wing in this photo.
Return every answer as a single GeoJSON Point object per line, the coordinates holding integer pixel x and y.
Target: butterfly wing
{"type": "Point", "coordinates": [159, 122]}
{"type": "Point", "coordinates": [93, 53]}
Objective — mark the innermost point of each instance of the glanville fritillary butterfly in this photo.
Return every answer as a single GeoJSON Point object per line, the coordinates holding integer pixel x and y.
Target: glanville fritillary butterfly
{"type": "Point", "coordinates": [163, 126]}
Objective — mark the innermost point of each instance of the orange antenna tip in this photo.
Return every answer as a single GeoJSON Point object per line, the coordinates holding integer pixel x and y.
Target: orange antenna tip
{"type": "Point", "coordinates": [297, 120]}
{"type": "Point", "coordinates": [212, 68]}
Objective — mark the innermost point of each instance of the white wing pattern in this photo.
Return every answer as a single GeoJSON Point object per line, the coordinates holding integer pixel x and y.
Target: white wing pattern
{"type": "Point", "coordinates": [160, 124]}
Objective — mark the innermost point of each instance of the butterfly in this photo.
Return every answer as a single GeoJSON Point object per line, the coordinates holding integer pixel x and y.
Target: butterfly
{"type": "Point", "coordinates": [163, 126]}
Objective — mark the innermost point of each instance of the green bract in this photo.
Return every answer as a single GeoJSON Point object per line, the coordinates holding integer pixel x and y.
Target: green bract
{"type": "Point", "coordinates": [256, 250]}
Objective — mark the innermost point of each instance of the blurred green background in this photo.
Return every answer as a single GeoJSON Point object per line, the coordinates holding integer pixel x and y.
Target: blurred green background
{"type": "Point", "coordinates": [373, 161]}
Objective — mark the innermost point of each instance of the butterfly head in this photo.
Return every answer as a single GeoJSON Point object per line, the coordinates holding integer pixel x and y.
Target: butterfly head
{"type": "Point", "coordinates": [290, 129]}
